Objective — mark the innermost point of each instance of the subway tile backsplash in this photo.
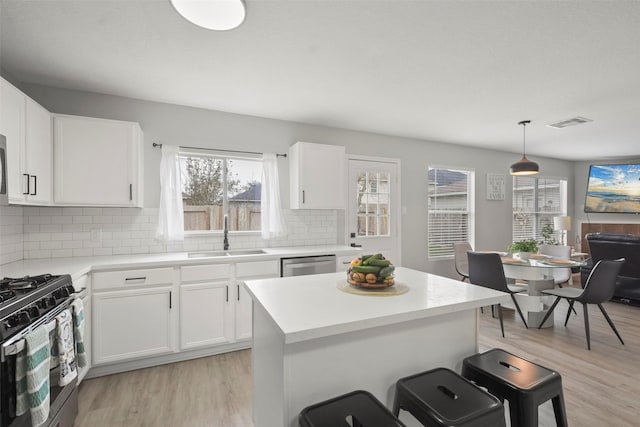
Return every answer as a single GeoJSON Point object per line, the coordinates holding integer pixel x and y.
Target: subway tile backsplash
{"type": "Point", "coordinates": [11, 238]}
{"type": "Point", "coordinates": [50, 232]}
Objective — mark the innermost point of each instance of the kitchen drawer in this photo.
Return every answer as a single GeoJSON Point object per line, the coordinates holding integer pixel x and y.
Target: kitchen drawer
{"type": "Point", "coordinates": [131, 278]}
{"type": "Point", "coordinates": [204, 272]}
{"type": "Point", "coordinates": [258, 268]}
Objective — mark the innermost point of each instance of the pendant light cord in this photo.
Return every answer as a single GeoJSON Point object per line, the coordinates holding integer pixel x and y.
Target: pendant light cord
{"type": "Point", "coordinates": [524, 124]}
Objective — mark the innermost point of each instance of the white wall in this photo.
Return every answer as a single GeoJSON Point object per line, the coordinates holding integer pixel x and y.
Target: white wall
{"type": "Point", "coordinates": [179, 125]}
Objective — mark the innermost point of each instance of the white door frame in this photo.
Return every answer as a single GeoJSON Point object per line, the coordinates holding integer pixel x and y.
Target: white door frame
{"type": "Point", "coordinates": [396, 207]}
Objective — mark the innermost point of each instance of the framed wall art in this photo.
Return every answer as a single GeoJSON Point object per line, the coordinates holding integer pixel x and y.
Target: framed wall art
{"type": "Point", "coordinates": [495, 186]}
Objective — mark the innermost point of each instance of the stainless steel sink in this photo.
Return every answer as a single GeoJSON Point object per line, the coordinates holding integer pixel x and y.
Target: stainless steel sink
{"type": "Point", "coordinates": [237, 252]}
{"type": "Point", "coordinates": [246, 252]}
{"type": "Point", "coordinates": [207, 254]}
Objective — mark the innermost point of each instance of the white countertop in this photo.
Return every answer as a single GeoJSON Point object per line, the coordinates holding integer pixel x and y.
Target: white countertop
{"type": "Point", "coordinates": [78, 266]}
{"type": "Point", "coordinates": [309, 307]}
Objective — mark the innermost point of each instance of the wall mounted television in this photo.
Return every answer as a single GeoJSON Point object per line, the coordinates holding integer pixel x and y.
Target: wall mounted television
{"type": "Point", "coordinates": [613, 188]}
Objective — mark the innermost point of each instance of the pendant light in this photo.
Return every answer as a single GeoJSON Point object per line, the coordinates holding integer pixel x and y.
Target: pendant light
{"type": "Point", "coordinates": [524, 166]}
{"type": "Point", "coordinates": [219, 15]}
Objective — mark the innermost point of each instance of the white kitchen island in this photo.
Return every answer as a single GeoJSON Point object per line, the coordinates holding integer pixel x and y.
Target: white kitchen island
{"type": "Point", "coordinates": [312, 341]}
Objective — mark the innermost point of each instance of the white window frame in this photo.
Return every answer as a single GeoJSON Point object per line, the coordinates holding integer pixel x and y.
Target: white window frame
{"type": "Point", "coordinates": [536, 211]}
{"type": "Point", "coordinates": [204, 153]}
{"type": "Point", "coordinates": [470, 213]}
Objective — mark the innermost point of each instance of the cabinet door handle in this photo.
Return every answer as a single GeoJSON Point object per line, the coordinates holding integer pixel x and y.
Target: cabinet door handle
{"type": "Point", "coordinates": [35, 185]}
{"type": "Point", "coordinates": [28, 181]}
{"type": "Point", "coordinates": [135, 278]}
{"type": "Point", "coordinates": [130, 192]}
{"type": "Point", "coordinates": [302, 196]}
{"type": "Point", "coordinates": [355, 245]}
{"type": "Point", "coordinates": [170, 300]}
{"type": "Point", "coordinates": [227, 297]}
{"type": "Point", "coordinates": [238, 292]}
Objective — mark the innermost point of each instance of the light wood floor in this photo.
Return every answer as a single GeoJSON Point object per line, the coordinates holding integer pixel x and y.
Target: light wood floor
{"type": "Point", "coordinates": [601, 386]}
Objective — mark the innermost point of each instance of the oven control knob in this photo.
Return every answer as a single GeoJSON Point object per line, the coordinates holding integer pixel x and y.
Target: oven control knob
{"type": "Point", "coordinates": [33, 312]}
{"type": "Point", "coordinates": [51, 301]}
{"type": "Point", "coordinates": [23, 318]}
{"type": "Point", "coordinates": [42, 304]}
{"type": "Point", "coordinates": [11, 322]}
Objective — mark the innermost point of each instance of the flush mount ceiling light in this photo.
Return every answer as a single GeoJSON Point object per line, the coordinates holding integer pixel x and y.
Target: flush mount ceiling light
{"type": "Point", "coordinates": [524, 166]}
{"type": "Point", "coordinates": [220, 15]}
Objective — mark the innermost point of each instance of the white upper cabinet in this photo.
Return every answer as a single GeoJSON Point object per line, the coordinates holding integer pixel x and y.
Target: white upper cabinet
{"type": "Point", "coordinates": [12, 126]}
{"type": "Point", "coordinates": [317, 176]}
{"type": "Point", "coordinates": [38, 152]}
{"type": "Point", "coordinates": [97, 162]}
{"type": "Point", "coordinates": [27, 127]}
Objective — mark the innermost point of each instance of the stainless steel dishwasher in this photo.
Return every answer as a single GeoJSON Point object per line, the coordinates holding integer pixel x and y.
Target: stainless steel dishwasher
{"type": "Point", "coordinates": [305, 265]}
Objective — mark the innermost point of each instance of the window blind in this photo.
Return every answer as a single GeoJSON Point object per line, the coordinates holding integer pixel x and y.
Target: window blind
{"type": "Point", "coordinates": [535, 202]}
{"type": "Point", "coordinates": [449, 210]}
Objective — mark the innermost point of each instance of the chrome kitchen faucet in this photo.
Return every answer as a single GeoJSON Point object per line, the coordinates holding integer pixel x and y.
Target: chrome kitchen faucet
{"type": "Point", "coordinates": [226, 233]}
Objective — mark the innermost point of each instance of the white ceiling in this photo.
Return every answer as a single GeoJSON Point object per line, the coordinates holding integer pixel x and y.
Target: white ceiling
{"type": "Point", "coordinates": [461, 72]}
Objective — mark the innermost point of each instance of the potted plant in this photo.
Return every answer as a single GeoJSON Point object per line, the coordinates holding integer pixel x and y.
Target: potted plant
{"type": "Point", "coordinates": [524, 248]}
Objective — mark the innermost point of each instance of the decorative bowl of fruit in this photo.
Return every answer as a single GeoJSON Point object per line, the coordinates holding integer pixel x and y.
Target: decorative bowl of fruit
{"type": "Point", "coordinates": [371, 272]}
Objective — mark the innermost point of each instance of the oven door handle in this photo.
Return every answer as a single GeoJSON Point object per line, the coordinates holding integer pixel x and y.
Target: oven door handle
{"type": "Point", "coordinates": [18, 346]}
{"type": "Point", "coordinates": [16, 343]}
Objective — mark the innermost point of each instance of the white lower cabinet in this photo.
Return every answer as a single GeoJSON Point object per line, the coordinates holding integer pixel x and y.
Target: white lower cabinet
{"type": "Point", "coordinates": [132, 323]}
{"type": "Point", "coordinates": [204, 315]}
{"type": "Point", "coordinates": [205, 308]}
{"type": "Point", "coordinates": [243, 303]}
{"type": "Point", "coordinates": [145, 317]}
{"type": "Point", "coordinates": [243, 314]}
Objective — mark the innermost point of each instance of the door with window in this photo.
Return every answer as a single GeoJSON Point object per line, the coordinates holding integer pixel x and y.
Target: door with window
{"type": "Point", "coordinates": [373, 207]}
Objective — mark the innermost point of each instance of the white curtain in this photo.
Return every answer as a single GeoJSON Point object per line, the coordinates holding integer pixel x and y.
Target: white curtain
{"type": "Point", "coordinates": [272, 222]}
{"type": "Point", "coordinates": [171, 216]}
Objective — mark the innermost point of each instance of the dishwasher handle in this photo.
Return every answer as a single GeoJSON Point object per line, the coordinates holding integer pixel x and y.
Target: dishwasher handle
{"type": "Point", "coordinates": [309, 264]}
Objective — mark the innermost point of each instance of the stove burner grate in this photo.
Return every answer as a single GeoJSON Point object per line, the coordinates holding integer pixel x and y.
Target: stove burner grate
{"type": "Point", "coordinates": [26, 282]}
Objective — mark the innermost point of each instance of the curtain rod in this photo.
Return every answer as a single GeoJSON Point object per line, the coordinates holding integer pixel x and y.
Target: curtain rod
{"type": "Point", "coordinates": [155, 144]}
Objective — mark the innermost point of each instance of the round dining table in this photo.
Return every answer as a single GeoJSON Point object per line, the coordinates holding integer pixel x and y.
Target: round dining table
{"type": "Point", "coordinates": [537, 271]}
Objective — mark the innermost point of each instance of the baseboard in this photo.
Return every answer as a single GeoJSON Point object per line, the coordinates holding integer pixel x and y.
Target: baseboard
{"type": "Point", "coordinates": [130, 365]}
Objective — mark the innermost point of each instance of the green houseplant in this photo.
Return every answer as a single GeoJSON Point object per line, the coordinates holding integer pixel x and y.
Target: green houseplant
{"type": "Point", "coordinates": [529, 246]}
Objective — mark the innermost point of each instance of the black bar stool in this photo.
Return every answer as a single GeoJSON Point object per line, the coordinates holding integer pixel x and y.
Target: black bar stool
{"type": "Point", "coordinates": [440, 397]}
{"type": "Point", "coordinates": [524, 384]}
{"type": "Point", "coordinates": [360, 406]}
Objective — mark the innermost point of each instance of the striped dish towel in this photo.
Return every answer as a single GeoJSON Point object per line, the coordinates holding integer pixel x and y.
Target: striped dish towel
{"type": "Point", "coordinates": [66, 351]}
{"type": "Point", "coordinates": [78, 331]}
{"type": "Point", "coordinates": [32, 376]}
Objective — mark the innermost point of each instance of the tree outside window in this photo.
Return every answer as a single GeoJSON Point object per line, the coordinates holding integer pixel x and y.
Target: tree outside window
{"type": "Point", "coordinates": [215, 186]}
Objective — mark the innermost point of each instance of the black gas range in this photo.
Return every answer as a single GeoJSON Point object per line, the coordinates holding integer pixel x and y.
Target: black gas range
{"type": "Point", "coordinates": [24, 300]}
{"type": "Point", "coordinates": [27, 303]}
